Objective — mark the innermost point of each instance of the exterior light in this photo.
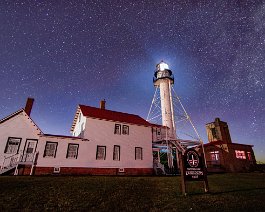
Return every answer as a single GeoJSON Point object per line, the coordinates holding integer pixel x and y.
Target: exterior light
{"type": "Point", "coordinates": [163, 66]}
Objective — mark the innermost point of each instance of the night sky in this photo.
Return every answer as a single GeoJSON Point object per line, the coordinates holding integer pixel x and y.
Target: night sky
{"type": "Point", "coordinates": [65, 53]}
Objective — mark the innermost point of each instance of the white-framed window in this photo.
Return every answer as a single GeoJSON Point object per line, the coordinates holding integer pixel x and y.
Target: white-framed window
{"type": "Point", "coordinates": [117, 129]}
{"type": "Point", "coordinates": [101, 153]}
{"type": "Point", "coordinates": [138, 153]}
{"type": "Point", "coordinates": [50, 149]}
{"type": "Point", "coordinates": [72, 151]}
{"type": "Point", "coordinates": [125, 129]}
{"type": "Point", "coordinates": [12, 145]}
{"type": "Point", "coordinates": [116, 152]}
{"type": "Point", "coordinates": [214, 155]}
{"type": "Point", "coordinates": [240, 154]}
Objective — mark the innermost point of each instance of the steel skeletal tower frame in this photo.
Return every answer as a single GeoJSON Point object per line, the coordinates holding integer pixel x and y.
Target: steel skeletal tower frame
{"type": "Point", "coordinates": [167, 108]}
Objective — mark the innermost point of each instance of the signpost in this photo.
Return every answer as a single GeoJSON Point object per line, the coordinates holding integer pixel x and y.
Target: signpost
{"type": "Point", "coordinates": [192, 169]}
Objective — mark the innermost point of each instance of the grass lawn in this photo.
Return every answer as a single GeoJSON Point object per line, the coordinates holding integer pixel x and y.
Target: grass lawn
{"type": "Point", "coordinates": [228, 192]}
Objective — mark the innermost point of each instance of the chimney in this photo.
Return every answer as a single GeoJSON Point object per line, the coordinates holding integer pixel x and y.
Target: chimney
{"type": "Point", "coordinates": [102, 104]}
{"type": "Point", "coordinates": [29, 105]}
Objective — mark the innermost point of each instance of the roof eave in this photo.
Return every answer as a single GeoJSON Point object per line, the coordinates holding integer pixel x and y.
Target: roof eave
{"type": "Point", "coordinates": [75, 118]}
{"type": "Point", "coordinates": [149, 125]}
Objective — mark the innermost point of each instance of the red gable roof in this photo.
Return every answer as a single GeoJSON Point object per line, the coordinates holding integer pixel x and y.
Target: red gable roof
{"type": "Point", "coordinates": [94, 112]}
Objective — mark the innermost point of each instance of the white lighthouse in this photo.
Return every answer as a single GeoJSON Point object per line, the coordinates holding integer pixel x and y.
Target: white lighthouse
{"type": "Point", "coordinates": [167, 107]}
{"type": "Point", "coordinates": [164, 80]}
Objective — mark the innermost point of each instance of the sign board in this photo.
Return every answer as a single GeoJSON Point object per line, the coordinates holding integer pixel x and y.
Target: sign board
{"type": "Point", "coordinates": [193, 166]}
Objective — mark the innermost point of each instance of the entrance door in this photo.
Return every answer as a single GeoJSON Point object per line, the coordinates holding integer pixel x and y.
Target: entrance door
{"type": "Point", "coordinates": [30, 150]}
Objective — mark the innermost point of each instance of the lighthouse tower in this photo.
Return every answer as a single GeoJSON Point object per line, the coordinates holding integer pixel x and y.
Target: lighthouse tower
{"type": "Point", "coordinates": [167, 106]}
{"type": "Point", "coordinates": [164, 79]}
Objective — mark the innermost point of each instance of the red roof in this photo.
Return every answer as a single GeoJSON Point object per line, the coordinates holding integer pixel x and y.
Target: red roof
{"type": "Point", "coordinates": [94, 112]}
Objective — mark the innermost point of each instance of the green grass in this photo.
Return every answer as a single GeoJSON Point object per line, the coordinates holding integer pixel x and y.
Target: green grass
{"type": "Point", "coordinates": [228, 192]}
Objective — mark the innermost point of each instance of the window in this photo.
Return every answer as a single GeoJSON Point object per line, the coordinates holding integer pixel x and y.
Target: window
{"type": "Point", "coordinates": [138, 153]}
{"type": "Point", "coordinates": [12, 145]}
{"type": "Point", "coordinates": [56, 170]}
{"type": "Point", "coordinates": [101, 153]}
{"type": "Point", "coordinates": [249, 156]}
{"type": "Point", "coordinates": [50, 149]}
{"type": "Point", "coordinates": [214, 132]}
{"type": "Point", "coordinates": [116, 152]}
{"type": "Point", "coordinates": [158, 131]}
{"type": "Point", "coordinates": [240, 154]}
{"type": "Point", "coordinates": [72, 151]}
{"type": "Point", "coordinates": [214, 155]}
{"type": "Point", "coordinates": [125, 130]}
{"type": "Point", "coordinates": [117, 129]}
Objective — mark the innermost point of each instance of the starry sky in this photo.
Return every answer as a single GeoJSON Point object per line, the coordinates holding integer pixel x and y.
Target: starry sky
{"type": "Point", "coordinates": [65, 53]}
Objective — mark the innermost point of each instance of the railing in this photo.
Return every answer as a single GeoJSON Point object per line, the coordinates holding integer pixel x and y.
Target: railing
{"type": "Point", "coordinates": [10, 161]}
{"type": "Point", "coordinates": [178, 145]}
{"type": "Point", "coordinates": [158, 166]}
{"type": "Point", "coordinates": [27, 157]}
{"type": "Point", "coordinates": [14, 160]}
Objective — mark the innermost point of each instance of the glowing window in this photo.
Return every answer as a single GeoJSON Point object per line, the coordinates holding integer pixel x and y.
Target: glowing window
{"type": "Point", "coordinates": [249, 156]}
{"type": "Point", "coordinates": [214, 155]}
{"type": "Point", "coordinates": [240, 154]}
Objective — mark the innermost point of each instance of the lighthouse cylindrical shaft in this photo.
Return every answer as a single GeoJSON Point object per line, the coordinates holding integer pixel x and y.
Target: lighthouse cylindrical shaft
{"type": "Point", "coordinates": [166, 107]}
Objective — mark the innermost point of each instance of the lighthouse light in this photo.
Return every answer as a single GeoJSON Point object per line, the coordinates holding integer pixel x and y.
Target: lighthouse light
{"type": "Point", "coordinates": [163, 66]}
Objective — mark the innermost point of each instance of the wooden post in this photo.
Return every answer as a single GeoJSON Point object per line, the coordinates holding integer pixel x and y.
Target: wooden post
{"type": "Point", "coordinates": [3, 165]}
{"type": "Point", "coordinates": [33, 162]}
{"type": "Point", "coordinates": [206, 185]}
{"type": "Point", "coordinates": [183, 182]}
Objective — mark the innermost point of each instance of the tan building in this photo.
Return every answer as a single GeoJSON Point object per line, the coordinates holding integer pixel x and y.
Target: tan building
{"type": "Point", "coordinates": [224, 156]}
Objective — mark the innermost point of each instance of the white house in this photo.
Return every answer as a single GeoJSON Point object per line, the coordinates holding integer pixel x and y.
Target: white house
{"type": "Point", "coordinates": [103, 142]}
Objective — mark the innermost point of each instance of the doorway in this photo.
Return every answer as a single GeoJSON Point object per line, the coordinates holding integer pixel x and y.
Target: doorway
{"type": "Point", "coordinates": [29, 151]}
